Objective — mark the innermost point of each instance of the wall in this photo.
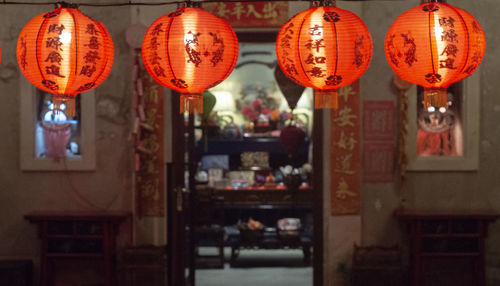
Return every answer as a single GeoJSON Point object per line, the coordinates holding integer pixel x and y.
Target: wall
{"type": "Point", "coordinates": [109, 186]}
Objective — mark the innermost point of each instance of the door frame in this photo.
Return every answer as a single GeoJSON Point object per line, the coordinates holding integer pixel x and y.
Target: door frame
{"type": "Point", "coordinates": [317, 205]}
{"type": "Point", "coordinates": [176, 261]}
{"type": "Point", "coordinates": [175, 192]}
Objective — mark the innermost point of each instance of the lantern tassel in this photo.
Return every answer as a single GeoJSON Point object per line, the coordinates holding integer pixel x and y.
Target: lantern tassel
{"type": "Point", "coordinates": [191, 102]}
{"type": "Point", "coordinates": [69, 101]}
{"type": "Point", "coordinates": [326, 99]}
{"type": "Point", "coordinates": [436, 97]}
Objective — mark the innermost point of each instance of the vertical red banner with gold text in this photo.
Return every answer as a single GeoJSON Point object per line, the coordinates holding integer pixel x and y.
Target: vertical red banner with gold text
{"type": "Point", "coordinates": [150, 176]}
{"type": "Point", "coordinates": [345, 155]}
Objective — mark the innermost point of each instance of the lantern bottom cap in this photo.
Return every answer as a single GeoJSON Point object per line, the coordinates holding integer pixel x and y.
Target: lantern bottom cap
{"type": "Point", "coordinates": [326, 99]}
{"type": "Point", "coordinates": [68, 100]}
{"type": "Point", "coordinates": [437, 97]}
{"type": "Point", "coordinates": [191, 103]}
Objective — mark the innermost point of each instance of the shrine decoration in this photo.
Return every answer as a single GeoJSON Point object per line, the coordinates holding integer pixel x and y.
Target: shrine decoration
{"type": "Point", "coordinates": [55, 138]}
{"type": "Point", "coordinates": [209, 101]}
{"type": "Point", "coordinates": [290, 89]}
{"type": "Point", "coordinates": [435, 45]}
{"type": "Point", "coordinates": [292, 138]}
{"type": "Point", "coordinates": [324, 48]}
{"type": "Point", "coordinates": [190, 50]}
{"type": "Point", "coordinates": [64, 52]}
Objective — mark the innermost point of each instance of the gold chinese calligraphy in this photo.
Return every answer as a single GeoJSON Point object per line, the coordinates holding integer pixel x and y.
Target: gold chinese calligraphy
{"type": "Point", "coordinates": [345, 155]}
{"type": "Point", "coordinates": [250, 14]}
{"type": "Point", "coordinates": [150, 174]}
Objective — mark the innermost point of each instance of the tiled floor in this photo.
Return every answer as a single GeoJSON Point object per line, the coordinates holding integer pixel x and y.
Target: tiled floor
{"type": "Point", "coordinates": [260, 268]}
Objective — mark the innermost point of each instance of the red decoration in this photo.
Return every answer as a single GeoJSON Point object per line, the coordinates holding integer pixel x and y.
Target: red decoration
{"type": "Point", "coordinates": [290, 89]}
{"type": "Point", "coordinates": [435, 45]}
{"type": "Point", "coordinates": [378, 140]}
{"type": "Point", "coordinates": [190, 50]}
{"type": "Point", "coordinates": [55, 138]}
{"type": "Point", "coordinates": [324, 48]}
{"type": "Point", "coordinates": [378, 161]}
{"type": "Point", "coordinates": [250, 13]}
{"type": "Point", "coordinates": [378, 120]}
{"type": "Point", "coordinates": [292, 138]}
{"type": "Point", "coordinates": [65, 53]}
{"type": "Point", "coordinates": [345, 153]}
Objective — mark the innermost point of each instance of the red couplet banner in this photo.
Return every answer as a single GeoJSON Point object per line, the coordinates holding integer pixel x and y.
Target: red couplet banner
{"type": "Point", "coordinates": [345, 157]}
{"type": "Point", "coordinates": [150, 176]}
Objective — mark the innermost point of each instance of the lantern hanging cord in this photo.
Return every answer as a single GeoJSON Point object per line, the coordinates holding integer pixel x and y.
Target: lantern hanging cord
{"type": "Point", "coordinates": [130, 3]}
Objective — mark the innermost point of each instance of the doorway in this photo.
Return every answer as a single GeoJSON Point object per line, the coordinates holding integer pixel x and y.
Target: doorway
{"type": "Point", "coordinates": [233, 221]}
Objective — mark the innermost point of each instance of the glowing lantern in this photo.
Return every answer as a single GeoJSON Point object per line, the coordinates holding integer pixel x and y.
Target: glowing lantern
{"type": "Point", "coordinates": [324, 48]}
{"type": "Point", "coordinates": [65, 53]}
{"type": "Point", "coordinates": [190, 50]}
{"type": "Point", "coordinates": [435, 45]}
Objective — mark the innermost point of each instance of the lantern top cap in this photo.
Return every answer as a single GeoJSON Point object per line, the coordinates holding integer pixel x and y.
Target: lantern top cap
{"type": "Point", "coordinates": [323, 3]}
{"type": "Point", "coordinates": [63, 4]}
{"type": "Point", "coordinates": [190, 4]}
{"type": "Point", "coordinates": [433, 1]}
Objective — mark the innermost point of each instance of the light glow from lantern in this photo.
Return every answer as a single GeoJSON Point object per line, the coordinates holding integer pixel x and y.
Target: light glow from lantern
{"type": "Point", "coordinates": [65, 38]}
{"type": "Point", "coordinates": [440, 45]}
{"type": "Point", "coordinates": [65, 52]}
{"type": "Point", "coordinates": [191, 40]}
{"type": "Point", "coordinates": [188, 38]}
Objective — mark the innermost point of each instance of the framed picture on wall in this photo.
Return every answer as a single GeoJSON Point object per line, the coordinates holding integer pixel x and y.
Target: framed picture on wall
{"type": "Point", "coordinates": [56, 140]}
{"type": "Point", "coordinates": [445, 139]}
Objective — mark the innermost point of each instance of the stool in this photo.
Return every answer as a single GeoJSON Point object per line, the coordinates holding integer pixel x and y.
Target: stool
{"type": "Point", "coordinates": [377, 266]}
{"type": "Point", "coordinates": [144, 265]}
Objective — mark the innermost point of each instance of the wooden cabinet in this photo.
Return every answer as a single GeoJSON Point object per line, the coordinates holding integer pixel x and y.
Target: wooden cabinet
{"type": "Point", "coordinates": [234, 147]}
{"type": "Point", "coordinates": [216, 209]}
{"type": "Point", "coordinates": [266, 205]}
{"type": "Point", "coordinates": [77, 235]}
{"type": "Point", "coordinates": [447, 248]}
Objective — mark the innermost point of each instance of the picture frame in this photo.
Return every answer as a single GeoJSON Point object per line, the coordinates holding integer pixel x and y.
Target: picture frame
{"type": "Point", "coordinates": [469, 160]}
{"type": "Point", "coordinates": [29, 161]}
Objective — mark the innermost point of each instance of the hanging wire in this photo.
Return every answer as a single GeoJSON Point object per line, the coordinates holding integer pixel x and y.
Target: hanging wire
{"type": "Point", "coordinates": [130, 3]}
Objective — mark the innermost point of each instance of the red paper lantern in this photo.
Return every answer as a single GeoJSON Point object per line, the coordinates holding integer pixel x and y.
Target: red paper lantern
{"type": "Point", "coordinates": [65, 53]}
{"type": "Point", "coordinates": [324, 48]}
{"type": "Point", "coordinates": [190, 50]}
{"type": "Point", "coordinates": [435, 45]}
